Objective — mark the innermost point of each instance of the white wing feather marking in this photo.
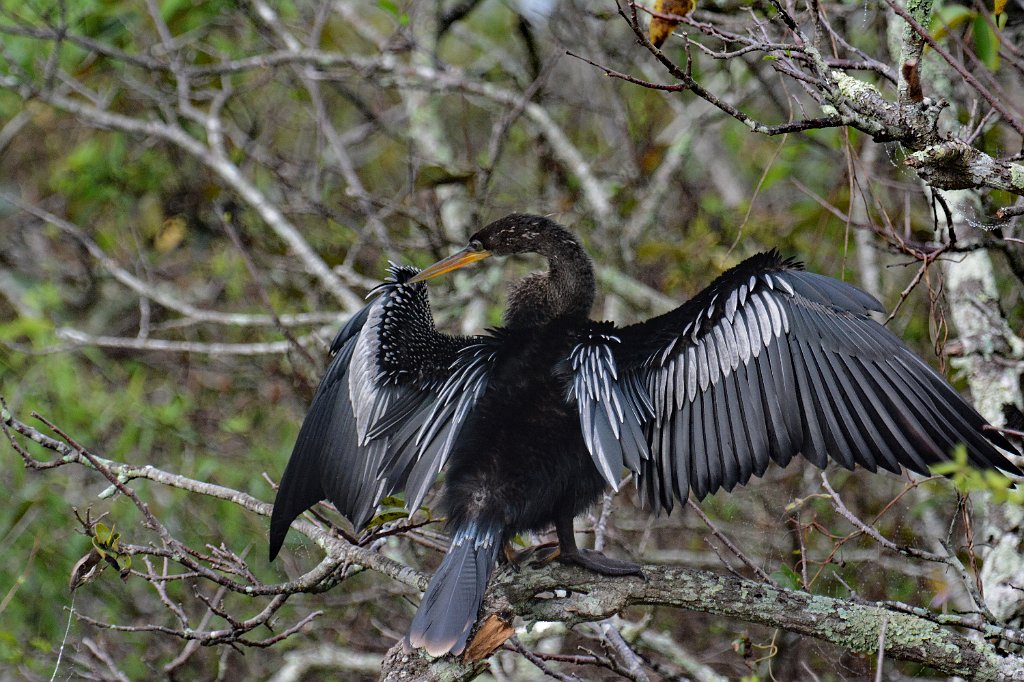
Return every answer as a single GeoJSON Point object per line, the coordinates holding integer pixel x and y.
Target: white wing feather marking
{"type": "Point", "coordinates": [611, 418]}
{"type": "Point", "coordinates": [368, 400]}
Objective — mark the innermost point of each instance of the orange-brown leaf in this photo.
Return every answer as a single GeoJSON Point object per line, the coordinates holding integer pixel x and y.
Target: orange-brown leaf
{"type": "Point", "coordinates": [662, 26]}
{"type": "Point", "coordinates": [491, 634]}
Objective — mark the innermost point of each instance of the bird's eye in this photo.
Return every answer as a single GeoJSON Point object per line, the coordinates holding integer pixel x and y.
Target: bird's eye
{"type": "Point", "coordinates": [476, 245]}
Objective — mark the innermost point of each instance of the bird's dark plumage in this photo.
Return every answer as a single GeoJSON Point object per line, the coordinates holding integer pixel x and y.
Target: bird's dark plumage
{"type": "Point", "coordinates": [535, 419]}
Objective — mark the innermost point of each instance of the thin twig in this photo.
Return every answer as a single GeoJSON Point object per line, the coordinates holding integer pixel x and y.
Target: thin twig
{"type": "Point", "coordinates": [758, 571]}
{"type": "Point", "coordinates": [881, 648]}
{"type": "Point", "coordinates": [948, 559]}
{"type": "Point", "coordinates": [516, 645]}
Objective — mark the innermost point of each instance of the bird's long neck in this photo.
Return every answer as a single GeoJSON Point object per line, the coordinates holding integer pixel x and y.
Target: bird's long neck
{"type": "Point", "coordinates": [566, 290]}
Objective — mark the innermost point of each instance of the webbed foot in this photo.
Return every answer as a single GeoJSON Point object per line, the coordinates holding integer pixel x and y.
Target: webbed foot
{"type": "Point", "coordinates": [599, 563]}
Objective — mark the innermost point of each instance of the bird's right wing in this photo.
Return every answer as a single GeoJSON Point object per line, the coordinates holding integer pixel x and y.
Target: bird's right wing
{"type": "Point", "coordinates": [766, 363]}
{"type": "Point", "coordinates": [387, 412]}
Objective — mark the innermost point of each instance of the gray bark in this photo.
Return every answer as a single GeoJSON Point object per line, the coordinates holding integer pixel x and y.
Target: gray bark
{"type": "Point", "coordinates": [986, 339]}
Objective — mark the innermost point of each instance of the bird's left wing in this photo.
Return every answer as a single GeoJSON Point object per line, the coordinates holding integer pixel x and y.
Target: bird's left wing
{"type": "Point", "coordinates": [387, 412]}
{"type": "Point", "coordinates": [766, 363]}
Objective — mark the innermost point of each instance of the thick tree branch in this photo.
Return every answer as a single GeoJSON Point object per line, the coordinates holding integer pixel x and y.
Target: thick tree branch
{"type": "Point", "coordinates": [853, 626]}
{"type": "Point", "coordinates": [954, 164]}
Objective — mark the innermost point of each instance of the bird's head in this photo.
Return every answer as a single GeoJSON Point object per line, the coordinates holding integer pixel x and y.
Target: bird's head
{"type": "Point", "coordinates": [515, 233]}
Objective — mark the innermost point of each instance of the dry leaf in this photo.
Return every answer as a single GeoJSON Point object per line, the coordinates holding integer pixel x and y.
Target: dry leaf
{"type": "Point", "coordinates": [491, 634]}
{"type": "Point", "coordinates": [661, 28]}
{"type": "Point", "coordinates": [171, 234]}
{"type": "Point", "coordinates": [85, 569]}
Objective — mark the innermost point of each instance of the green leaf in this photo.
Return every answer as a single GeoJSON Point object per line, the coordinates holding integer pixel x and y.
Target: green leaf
{"type": "Point", "coordinates": [944, 468]}
{"type": "Point", "coordinates": [41, 644]}
{"type": "Point", "coordinates": [948, 18]}
{"type": "Point", "coordinates": [434, 175]}
{"type": "Point", "coordinates": [170, 8]}
{"type": "Point", "coordinates": [986, 43]}
{"type": "Point", "coordinates": [239, 423]}
{"type": "Point", "coordinates": [384, 517]}
{"type": "Point", "coordinates": [787, 577]}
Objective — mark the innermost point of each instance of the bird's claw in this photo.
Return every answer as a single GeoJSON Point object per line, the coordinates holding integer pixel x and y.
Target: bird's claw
{"type": "Point", "coordinates": [536, 556]}
{"type": "Point", "coordinates": [542, 555]}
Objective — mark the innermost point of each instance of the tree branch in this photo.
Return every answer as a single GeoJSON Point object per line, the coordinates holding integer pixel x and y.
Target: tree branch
{"type": "Point", "coordinates": [591, 597]}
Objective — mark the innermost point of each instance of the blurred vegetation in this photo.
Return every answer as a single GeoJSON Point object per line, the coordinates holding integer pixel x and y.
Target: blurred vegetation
{"type": "Point", "coordinates": [157, 211]}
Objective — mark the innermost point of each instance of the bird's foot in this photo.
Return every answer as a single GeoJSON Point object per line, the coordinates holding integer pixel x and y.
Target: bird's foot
{"type": "Point", "coordinates": [599, 563]}
{"type": "Point", "coordinates": [536, 556]}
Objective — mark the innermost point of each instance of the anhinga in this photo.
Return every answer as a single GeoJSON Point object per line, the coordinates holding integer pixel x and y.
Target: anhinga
{"type": "Point", "coordinates": [535, 419]}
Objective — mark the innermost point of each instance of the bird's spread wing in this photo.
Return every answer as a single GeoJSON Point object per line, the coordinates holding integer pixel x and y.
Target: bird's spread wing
{"type": "Point", "coordinates": [766, 363]}
{"type": "Point", "coordinates": [387, 412]}
{"type": "Point", "coordinates": [613, 407]}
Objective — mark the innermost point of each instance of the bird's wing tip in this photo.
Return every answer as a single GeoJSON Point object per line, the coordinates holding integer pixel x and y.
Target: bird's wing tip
{"type": "Point", "coordinates": [277, 535]}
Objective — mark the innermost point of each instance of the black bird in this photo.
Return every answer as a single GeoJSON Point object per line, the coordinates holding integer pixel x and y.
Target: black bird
{"type": "Point", "coordinates": [535, 419]}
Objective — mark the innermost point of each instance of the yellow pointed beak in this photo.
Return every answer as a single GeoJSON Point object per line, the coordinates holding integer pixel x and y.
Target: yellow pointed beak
{"type": "Point", "coordinates": [453, 262]}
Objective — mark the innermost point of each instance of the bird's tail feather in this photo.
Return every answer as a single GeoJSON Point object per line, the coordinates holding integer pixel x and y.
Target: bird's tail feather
{"type": "Point", "coordinates": [450, 604]}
